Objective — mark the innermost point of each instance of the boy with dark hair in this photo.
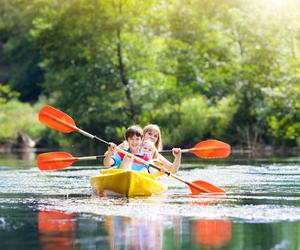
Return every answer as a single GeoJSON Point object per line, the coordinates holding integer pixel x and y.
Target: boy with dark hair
{"type": "Point", "coordinates": [134, 137]}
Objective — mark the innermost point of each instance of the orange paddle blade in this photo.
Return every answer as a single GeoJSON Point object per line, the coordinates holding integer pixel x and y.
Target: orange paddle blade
{"type": "Point", "coordinates": [55, 160]}
{"type": "Point", "coordinates": [211, 149]}
{"type": "Point", "coordinates": [204, 187]}
{"type": "Point", "coordinates": [57, 119]}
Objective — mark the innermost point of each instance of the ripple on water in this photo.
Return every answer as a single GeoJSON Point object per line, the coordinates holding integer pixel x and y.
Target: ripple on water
{"type": "Point", "coordinates": [153, 208]}
{"type": "Point", "coordinates": [255, 194]}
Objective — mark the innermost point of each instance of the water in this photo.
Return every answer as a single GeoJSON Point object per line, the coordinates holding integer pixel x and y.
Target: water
{"type": "Point", "coordinates": [57, 210]}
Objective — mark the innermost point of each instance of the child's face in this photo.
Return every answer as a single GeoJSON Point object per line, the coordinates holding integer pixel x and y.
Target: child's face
{"type": "Point", "coordinates": [148, 149]}
{"type": "Point", "coordinates": [151, 135]}
{"type": "Point", "coordinates": [134, 143]}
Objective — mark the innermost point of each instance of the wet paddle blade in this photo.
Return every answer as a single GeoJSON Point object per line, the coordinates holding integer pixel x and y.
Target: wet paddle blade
{"type": "Point", "coordinates": [55, 160]}
{"type": "Point", "coordinates": [204, 187]}
{"type": "Point", "coordinates": [211, 149]}
{"type": "Point", "coordinates": [56, 119]}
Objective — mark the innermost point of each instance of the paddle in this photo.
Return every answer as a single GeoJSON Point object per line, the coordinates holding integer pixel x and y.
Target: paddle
{"type": "Point", "coordinates": [60, 160]}
{"type": "Point", "coordinates": [207, 149]}
{"type": "Point", "coordinates": [60, 121]}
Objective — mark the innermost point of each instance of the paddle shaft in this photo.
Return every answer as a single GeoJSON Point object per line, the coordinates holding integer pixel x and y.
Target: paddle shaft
{"type": "Point", "coordinates": [76, 129]}
{"type": "Point", "coordinates": [85, 158]}
{"type": "Point", "coordinates": [191, 149]}
{"type": "Point", "coordinates": [97, 157]}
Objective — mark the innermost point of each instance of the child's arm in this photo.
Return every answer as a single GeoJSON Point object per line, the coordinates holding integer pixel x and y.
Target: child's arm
{"type": "Point", "coordinates": [171, 167]}
{"type": "Point", "coordinates": [176, 163]}
{"type": "Point", "coordinates": [108, 161]}
{"type": "Point", "coordinates": [127, 163]}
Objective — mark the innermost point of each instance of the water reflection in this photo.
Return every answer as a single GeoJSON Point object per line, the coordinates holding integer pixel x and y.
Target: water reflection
{"type": "Point", "coordinates": [151, 233]}
{"type": "Point", "coordinates": [56, 229]}
{"type": "Point", "coordinates": [212, 233]}
{"type": "Point", "coordinates": [18, 158]}
{"type": "Point", "coordinates": [59, 230]}
{"type": "Point", "coordinates": [135, 233]}
{"type": "Point", "coordinates": [26, 155]}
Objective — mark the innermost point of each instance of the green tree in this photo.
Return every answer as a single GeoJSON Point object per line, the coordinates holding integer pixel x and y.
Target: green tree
{"type": "Point", "coordinates": [105, 65]}
{"type": "Point", "coordinates": [19, 55]}
{"type": "Point", "coordinates": [234, 65]}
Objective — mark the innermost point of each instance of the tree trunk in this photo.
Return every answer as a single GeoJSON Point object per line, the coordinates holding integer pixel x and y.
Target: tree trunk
{"type": "Point", "coordinates": [123, 77]}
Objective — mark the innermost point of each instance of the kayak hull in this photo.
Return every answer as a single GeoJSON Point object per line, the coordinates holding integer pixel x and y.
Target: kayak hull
{"type": "Point", "coordinates": [128, 183]}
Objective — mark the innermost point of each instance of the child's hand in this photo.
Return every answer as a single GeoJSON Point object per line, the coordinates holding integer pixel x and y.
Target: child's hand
{"type": "Point", "coordinates": [176, 152]}
{"type": "Point", "coordinates": [111, 148]}
{"type": "Point", "coordinates": [127, 163]}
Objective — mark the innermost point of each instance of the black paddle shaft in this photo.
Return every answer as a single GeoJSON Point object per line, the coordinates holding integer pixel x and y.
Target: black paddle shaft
{"type": "Point", "coordinates": [101, 140]}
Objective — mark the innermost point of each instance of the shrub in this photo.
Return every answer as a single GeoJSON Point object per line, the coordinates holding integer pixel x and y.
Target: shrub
{"type": "Point", "coordinates": [17, 116]}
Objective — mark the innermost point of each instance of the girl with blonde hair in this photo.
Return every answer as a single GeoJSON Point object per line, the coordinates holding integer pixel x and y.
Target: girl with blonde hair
{"type": "Point", "coordinates": [152, 132]}
{"type": "Point", "coordinates": [148, 147]}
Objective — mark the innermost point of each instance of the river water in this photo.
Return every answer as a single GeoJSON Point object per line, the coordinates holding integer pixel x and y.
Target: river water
{"type": "Point", "coordinates": [57, 210]}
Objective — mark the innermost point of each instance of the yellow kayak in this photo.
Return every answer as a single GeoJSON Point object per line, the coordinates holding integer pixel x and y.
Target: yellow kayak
{"type": "Point", "coordinates": [126, 183]}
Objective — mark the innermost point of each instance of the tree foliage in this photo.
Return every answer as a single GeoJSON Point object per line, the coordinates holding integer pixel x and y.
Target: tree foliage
{"type": "Point", "coordinates": [197, 68]}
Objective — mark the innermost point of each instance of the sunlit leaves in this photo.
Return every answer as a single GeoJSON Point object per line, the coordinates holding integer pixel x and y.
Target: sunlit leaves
{"type": "Point", "coordinates": [7, 94]}
{"type": "Point", "coordinates": [117, 62]}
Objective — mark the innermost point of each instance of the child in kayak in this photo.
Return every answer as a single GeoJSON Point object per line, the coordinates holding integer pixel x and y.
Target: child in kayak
{"type": "Point", "coordinates": [148, 147]}
{"type": "Point", "coordinates": [134, 137]}
{"type": "Point", "coordinates": [152, 132]}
